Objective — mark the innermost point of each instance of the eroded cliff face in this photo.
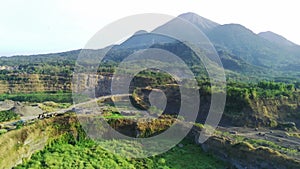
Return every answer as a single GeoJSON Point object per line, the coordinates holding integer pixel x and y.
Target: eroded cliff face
{"type": "Point", "coordinates": [258, 112]}
{"type": "Point", "coordinates": [262, 112]}
{"type": "Point", "coordinates": [101, 84]}
{"type": "Point", "coordinates": [91, 82]}
{"type": "Point", "coordinates": [18, 145]}
{"type": "Point", "coordinates": [28, 83]}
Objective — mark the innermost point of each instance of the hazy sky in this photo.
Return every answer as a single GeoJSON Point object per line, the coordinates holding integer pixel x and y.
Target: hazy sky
{"type": "Point", "coordinates": [43, 26]}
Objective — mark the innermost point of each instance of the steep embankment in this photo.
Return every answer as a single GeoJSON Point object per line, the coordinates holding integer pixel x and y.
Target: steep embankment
{"type": "Point", "coordinates": [262, 112]}
{"type": "Point", "coordinates": [17, 145]}
{"type": "Point", "coordinates": [27, 83]}
{"type": "Point", "coordinates": [239, 111]}
{"type": "Point", "coordinates": [32, 83]}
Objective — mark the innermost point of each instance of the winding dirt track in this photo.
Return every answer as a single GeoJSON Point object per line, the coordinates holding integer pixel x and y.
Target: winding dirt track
{"type": "Point", "coordinates": [62, 111]}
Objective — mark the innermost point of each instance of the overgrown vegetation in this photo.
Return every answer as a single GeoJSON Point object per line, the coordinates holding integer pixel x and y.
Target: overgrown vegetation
{"type": "Point", "coordinates": [8, 115]}
{"type": "Point", "coordinates": [263, 89]}
{"type": "Point", "coordinates": [60, 97]}
{"type": "Point", "coordinates": [51, 106]}
{"type": "Point", "coordinates": [64, 153]}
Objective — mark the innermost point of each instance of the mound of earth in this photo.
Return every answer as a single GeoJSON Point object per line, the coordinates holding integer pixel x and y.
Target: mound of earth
{"type": "Point", "coordinates": [6, 105]}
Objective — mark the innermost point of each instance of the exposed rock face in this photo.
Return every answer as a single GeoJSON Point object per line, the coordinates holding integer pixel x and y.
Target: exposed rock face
{"type": "Point", "coordinates": [263, 113]}
{"type": "Point", "coordinates": [87, 83]}
{"type": "Point", "coordinates": [253, 113]}
{"type": "Point", "coordinates": [127, 126]}
{"type": "Point", "coordinates": [26, 83]}
{"type": "Point", "coordinates": [21, 144]}
{"type": "Point", "coordinates": [257, 112]}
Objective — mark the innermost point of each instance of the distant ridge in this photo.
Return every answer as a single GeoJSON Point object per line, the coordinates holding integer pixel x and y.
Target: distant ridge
{"type": "Point", "coordinates": [241, 50]}
{"type": "Point", "coordinates": [275, 38]}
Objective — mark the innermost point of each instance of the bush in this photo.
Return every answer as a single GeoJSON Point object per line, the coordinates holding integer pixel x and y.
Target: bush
{"type": "Point", "coordinates": [90, 154]}
{"type": "Point", "coordinates": [8, 115]}
{"type": "Point", "coordinates": [39, 97]}
{"type": "Point", "coordinates": [2, 131]}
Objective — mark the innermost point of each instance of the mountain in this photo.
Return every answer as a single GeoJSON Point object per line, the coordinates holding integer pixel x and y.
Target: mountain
{"type": "Point", "coordinates": [242, 52]}
{"type": "Point", "coordinates": [242, 42]}
{"type": "Point", "coordinates": [200, 22]}
{"type": "Point", "coordinates": [53, 58]}
{"type": "Point", "coordinates": [266, 50]}
{"type": "Point", "coordinates": [275, 38]}
{"type": "Point", "coordinates": [143, 39]}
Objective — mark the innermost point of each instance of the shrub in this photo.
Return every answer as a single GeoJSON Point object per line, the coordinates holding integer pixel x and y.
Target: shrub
{"type": "Point", "coordinates": [8, 115]}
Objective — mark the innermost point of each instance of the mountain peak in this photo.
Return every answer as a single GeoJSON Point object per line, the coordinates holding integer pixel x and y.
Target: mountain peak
{"type": "Point", "coordinates": [140, 32]}
{"type": "Point", "coordinates": [275, 38]}
{"type": "Point", "coordinates": [199, 21]}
